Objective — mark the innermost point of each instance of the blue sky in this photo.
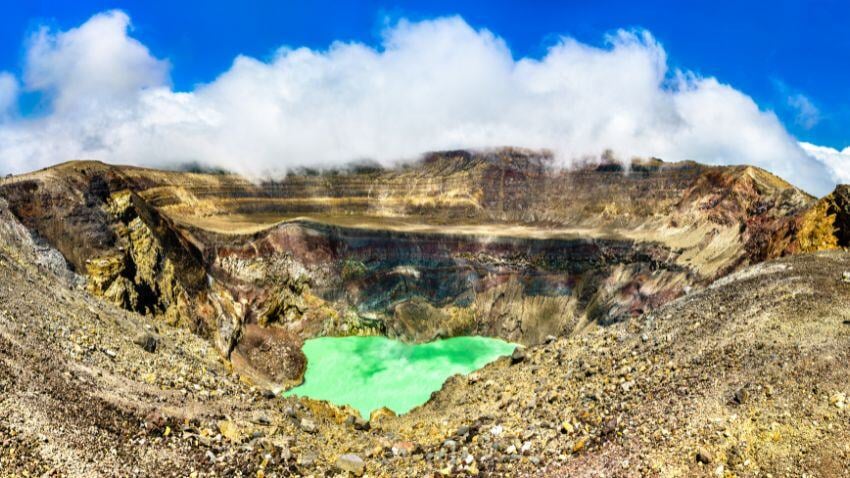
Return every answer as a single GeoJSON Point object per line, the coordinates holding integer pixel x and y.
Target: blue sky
{"type": "Point", "coordinates": [769, 50]}
{"type": "Point", "coordinates": [260, 87]}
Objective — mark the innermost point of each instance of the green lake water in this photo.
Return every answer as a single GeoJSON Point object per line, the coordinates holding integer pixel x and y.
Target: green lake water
{"type": "Point", "coordinates": [373, 372]}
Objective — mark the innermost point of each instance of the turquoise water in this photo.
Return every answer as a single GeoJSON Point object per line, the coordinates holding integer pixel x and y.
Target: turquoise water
{"type": "Point", "coordinates": [373, 372]}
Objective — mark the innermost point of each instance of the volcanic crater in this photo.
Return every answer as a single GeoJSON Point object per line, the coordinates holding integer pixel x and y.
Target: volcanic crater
{"type": "Point", "coordinates": [503, 243]}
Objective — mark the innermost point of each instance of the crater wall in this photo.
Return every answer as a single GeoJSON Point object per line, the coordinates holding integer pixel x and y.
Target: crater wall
{"type": "Point", "coordinates": [503, 243]}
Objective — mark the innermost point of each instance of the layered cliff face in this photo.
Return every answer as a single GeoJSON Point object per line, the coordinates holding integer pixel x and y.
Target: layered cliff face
{"type": "Point", "coordinates": [502, 243]}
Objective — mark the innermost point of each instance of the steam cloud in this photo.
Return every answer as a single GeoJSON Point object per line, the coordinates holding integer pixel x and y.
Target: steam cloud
{"type": "Point", "coordinates": [436, 84]}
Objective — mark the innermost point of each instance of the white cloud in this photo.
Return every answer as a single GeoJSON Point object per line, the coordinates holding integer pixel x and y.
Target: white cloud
{"type": "Point", "coordinates": [837, 161]}
{"type": "Point", "coordinates": [807, 114]}
{"type": "Point", "coordinates": [92, 65]}
{"type": "Point", "coordinates": [434, 84]}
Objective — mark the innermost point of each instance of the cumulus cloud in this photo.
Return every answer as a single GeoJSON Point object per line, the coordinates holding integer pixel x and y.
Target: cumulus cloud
{"type": "Point", "coordinates": [93, 65]}
{"type": "Point", "coordinates": [435, 84]}
{"type": "Point", "coordinates": [838, 162]}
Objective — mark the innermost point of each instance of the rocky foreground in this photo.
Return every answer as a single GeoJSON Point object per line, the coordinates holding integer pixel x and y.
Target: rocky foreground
{"type": "Point", "coordinates": [746, 377]}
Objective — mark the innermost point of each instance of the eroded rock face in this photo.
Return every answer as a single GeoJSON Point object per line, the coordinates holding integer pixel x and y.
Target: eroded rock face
{"type": "Point", "coordinates": [420, 286]}
{"type": "Point", "coordinates": [128, 251]}
{"type": "Point", "coordinates": [827, 224]}
{"type": "Point", "coordinates": [502, 243]}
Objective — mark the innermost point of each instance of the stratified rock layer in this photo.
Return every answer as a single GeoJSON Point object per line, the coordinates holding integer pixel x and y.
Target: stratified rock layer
{"type": "Point", "coordinates": [502, 243]}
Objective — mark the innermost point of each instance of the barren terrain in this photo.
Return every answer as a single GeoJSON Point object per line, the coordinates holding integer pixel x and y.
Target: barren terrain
{"type": "Point", "coordinates": [147, 320]}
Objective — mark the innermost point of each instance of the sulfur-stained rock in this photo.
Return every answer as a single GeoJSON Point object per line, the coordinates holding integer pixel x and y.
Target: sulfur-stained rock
{"type": "Point", "coordinates": [230, 430]}
{"type": "Point", "coordinates": [380, 415]}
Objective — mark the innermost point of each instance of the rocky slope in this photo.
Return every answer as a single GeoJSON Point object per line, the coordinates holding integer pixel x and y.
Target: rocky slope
{"type": "Point", "coordinates": [746, 377]}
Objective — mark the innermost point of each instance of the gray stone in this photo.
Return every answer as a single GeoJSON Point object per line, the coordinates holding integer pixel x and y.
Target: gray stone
{"type": "Point", "coordinates": [285, 454]}
{"type": "Point", "coordinates": [518, 356]}
{"type": "Point", "coordinates": [351, 463]}
{"type": "Point", "coordinates": [740, 396]}
{"type": "Point", "coordinates": [147, 341]}
{"type": "Point", "coordinates": [307, 459]}
{"type": "Point", "coordinates": [307, 425]}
